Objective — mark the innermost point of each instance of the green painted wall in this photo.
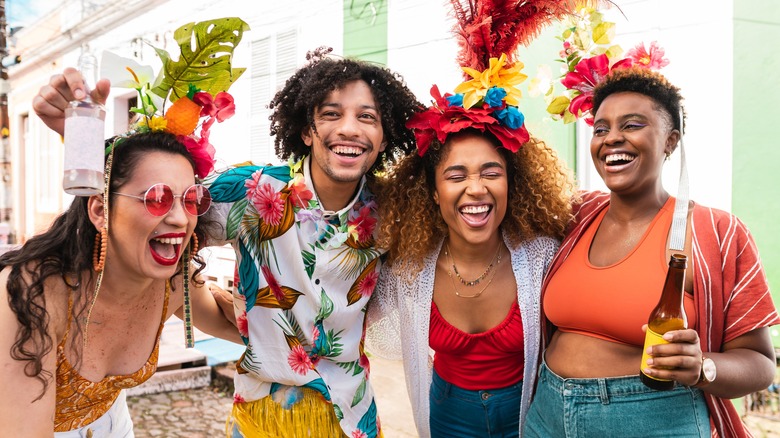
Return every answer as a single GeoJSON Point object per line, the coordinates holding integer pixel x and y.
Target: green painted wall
{"type": "Point", "coordinates": [543, 51]}
{"type": "Point", "coordinates": [756, 179]}
{"type": "Point", "coordinates": [365, 30]}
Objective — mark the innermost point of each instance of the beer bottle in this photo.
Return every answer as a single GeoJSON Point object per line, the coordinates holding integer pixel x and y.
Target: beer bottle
{"type": "Point", "coordinates": [668, 315]}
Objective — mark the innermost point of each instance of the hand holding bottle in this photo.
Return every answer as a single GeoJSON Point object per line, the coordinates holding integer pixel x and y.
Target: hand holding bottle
{"type": "Point", "coordinates": [53, 98]}
{"type": "Point", "coordinates": [679, 360]}
{"type": "Point", "coordinates": [84, 131]}
{"type": "Point", "coordinates": [667, 324]}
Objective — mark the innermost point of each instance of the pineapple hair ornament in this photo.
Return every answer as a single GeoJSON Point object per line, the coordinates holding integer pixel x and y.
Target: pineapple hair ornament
{"type": "Point", "coordinates": [196, 86]}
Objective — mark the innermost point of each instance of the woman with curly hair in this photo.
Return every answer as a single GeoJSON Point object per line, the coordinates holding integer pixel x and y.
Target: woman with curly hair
{"type": "Point", "coordinates": [463, 279]}
{"type": "Point", "coordinates": [470, 224]}
{"type": "Point", "coordinates": [608, 276]}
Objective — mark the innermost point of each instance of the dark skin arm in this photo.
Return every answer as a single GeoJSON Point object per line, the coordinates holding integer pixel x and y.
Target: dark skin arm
{"type": "Point", "coordinates": [746, 364]}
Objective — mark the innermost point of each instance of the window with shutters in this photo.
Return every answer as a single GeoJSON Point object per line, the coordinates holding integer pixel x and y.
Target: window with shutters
{"type": "Point", "coordinates": [273, 62]}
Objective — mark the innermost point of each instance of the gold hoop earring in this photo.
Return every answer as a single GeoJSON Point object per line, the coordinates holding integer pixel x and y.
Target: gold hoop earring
{"type": "Point", "coordinates": [99, 252]}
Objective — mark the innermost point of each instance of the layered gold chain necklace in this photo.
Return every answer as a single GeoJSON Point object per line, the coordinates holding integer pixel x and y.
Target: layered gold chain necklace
{"type": "Point", "coordinates": [496, 261]}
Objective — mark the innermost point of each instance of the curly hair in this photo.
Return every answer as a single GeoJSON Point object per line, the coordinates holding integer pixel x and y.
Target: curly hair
{"type": "Point", "coordinates": [64, 251]}
{"type": "Point", "coordinates": [643, 81]}
{"type": "Point", "coordinates": [540, 190]}
{"type": "Point", "coordinates": [294, 105]}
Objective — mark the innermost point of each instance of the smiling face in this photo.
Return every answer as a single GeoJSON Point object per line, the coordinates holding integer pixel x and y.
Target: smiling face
{"type": "Point", "coordinates": [348, 137]}
{"type": "Point", "coordinates": [143, 244]}
{"type": "Point", "coordinates": [631, 137]}
{"type": "Point", "coordinates": [471, 189]}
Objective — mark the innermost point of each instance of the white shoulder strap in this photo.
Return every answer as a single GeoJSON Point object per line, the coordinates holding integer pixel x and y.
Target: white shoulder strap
{"type": "Point", "coordinates": [680, 218]}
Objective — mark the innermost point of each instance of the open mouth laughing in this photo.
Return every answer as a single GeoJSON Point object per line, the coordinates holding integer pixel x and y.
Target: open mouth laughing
{"type": "Point", "coordinates": [618, 159]}
{"type": "Point", "coordinates": [165, 249]}
{"type": "Point", "coordinates": [475, 215]}
{"type": "Point", "coordinates": [347, 151]}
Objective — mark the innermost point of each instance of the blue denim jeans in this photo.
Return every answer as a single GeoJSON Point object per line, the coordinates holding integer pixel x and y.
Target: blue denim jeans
{"type": "Point", "coordinates": [613, 407]}
{"type": "Point", "coordinates": [457, 412]}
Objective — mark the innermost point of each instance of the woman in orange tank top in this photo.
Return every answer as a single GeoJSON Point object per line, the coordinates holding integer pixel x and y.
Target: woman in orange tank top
{"type": "Point", "coordinates": [589, 383]}
{"type": "Point", "coordinates": [81, 309]}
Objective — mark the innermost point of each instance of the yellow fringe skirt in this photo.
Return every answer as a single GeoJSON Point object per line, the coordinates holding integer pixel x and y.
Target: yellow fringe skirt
{"type": "Point", "coordinates": [310, 417]}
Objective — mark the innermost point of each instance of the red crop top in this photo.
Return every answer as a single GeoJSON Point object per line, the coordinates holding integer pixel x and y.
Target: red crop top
{"type": "Point", "coordinates": [480, 361]}
{"type": "Point", "coordinates": [613, 302]}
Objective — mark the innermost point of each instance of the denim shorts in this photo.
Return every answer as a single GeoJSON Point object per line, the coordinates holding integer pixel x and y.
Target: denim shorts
{"type": "Point", "coordinates": [458, 412]}
{"type": "Point", "coordinates": [613, 407]}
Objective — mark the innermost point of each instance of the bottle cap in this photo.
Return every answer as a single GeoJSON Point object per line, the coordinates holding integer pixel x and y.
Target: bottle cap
{"type": "Point", "coordinates": [678, 260]}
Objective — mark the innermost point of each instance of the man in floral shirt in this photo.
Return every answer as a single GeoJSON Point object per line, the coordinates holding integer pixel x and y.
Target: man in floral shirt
{"type": "Point", "coordinates": [304, 239]}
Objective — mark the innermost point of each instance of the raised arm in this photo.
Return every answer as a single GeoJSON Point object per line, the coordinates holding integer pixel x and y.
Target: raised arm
{"type": "Point", "coordinates": [52, 99]}
{"type": "Point", "coordinates": [25, 408]}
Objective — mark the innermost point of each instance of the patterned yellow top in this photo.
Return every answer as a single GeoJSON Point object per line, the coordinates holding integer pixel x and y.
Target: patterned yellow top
{"type": "Point", "coordinates": [81, 401]}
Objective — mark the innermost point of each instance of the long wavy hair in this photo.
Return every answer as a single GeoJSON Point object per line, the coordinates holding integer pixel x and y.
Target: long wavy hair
{"type": "Point", "coordinates": [539, 196]}
{"type": "Point", "coordinates": [64, 252]}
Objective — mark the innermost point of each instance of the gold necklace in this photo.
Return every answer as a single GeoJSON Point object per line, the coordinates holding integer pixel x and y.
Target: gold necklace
{"type": "Point", "coordinates": [496, 261]}
{"type": "Point", "coordinates": [455, 287]}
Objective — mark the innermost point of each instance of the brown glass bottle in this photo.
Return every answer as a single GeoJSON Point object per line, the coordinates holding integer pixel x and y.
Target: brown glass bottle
{"type": "Point", "coordinates": [668, 315]}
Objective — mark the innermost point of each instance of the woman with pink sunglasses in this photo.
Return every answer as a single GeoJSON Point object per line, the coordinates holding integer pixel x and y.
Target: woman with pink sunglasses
{"type": "Point", "coordinates": [69, 351]}
{"type": "Point", "coordinates": [82, 305]}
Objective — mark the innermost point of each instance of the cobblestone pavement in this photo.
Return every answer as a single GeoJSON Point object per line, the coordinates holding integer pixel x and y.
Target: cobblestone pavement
{"type": "Point", "coordinates": [192, 413]}
{"type": "Point", "coordinates": [199, 413]}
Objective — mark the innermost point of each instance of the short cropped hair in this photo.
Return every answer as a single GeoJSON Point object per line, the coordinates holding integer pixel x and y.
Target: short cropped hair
{"type": "Point", "coordinates": [643, 81]}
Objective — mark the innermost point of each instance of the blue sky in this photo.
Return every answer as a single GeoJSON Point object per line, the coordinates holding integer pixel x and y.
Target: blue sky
{"type": "Point", "coordinates": [25, 12]}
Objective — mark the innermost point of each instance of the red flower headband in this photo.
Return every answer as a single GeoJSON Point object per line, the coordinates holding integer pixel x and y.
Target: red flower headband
{"type": "Point", "coordinates": [447, 115]}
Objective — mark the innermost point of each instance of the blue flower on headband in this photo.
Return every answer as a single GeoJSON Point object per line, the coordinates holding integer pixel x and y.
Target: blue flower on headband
{"type": "Point", "coordinates": [495, 96]}
{"type": "Point", "coordinates": [455, 100]}
{"type": "Point", "coordinates": [510, 117]}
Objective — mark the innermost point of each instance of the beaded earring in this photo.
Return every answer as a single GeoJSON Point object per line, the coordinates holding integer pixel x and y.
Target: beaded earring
{"type": "Point", "coordinates": [99, 254]}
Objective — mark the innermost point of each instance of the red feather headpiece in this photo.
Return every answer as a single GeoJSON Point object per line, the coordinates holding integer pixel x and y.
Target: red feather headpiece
{"type": "Point", "coordinates": [489, 32]}
{"type": "Point", "coordinates": [488, 28]}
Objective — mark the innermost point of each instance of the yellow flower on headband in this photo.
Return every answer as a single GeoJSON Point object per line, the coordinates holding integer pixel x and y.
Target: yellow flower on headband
{"type": "Point", "coordinates": [496, 75]}
{"type": "Point", "coordinates": [154, 123]}
{"type": "Point", "coordinates": [157, 123]}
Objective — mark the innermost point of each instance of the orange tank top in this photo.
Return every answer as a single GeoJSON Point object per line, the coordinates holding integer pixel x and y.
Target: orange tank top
{"type": "Point", "coordinates": [613, 302]}
{"type": "Point", "coordinates": [81, 401]}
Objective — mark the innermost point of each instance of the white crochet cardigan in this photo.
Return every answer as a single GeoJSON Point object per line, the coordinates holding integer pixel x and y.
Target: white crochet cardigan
{"type": "Point", "coordinates": [399, 301]}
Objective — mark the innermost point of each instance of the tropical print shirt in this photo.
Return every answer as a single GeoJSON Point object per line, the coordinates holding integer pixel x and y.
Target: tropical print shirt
{"type": "Point", "coordinates": [304, 277]}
